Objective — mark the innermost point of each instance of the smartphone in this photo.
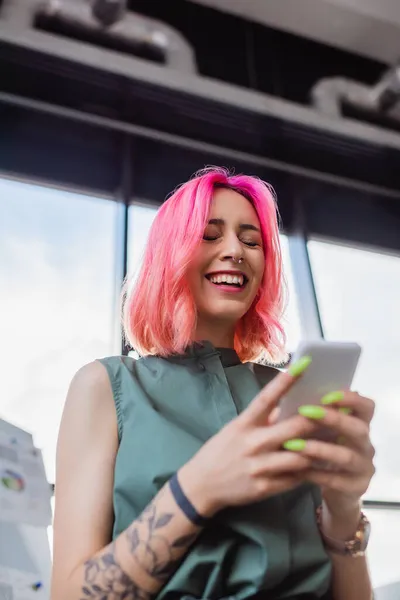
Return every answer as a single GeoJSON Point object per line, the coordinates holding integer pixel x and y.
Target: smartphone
{"type": "Point", "coordinates": [332, 369]}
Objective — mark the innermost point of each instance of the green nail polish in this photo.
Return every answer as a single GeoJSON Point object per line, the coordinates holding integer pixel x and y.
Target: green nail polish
{"type": "Point", "coordinates": [345, 410]}
{"type": "Point", "coordinates": [312, 412]}
{"type": "Point", "coordinates": [299, 366]}
{"type": "Point", "coordinates": [295, 445]}
{"type": "Point", "coordinates": [332, 397]}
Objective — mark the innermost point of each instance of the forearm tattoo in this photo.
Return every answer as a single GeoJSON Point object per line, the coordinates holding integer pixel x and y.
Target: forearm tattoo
{"type": "Point", "coordinates": [105, 580]}
{"type": "Point", "coordinates": [155, 553]}
{"type": "Point", "coordinates": [150, 548]}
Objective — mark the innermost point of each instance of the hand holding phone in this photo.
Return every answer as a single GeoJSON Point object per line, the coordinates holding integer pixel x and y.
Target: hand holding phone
{"type": "Point", "coordinates": [332, 368]}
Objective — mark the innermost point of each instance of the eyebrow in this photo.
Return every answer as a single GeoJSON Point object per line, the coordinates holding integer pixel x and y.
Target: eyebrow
{"type": "Point", "coordinates": [242, 226]}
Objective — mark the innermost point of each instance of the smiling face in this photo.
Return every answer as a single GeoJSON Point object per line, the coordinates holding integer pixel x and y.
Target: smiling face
{"type": "Point", "coordinates": [226, 271]}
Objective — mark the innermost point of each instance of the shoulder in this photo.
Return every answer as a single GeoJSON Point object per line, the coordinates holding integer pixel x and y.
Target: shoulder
{"type": "Point", "coordinates": [117, 362]}
{"type": "Point", "coordinates": [89, 418]}
{"type": "Point", "coordinates": [89, 394]}
{"type": "Point", "coordinates": [122, 379]}
{"type": "Point", "coordinates": [91, 375]}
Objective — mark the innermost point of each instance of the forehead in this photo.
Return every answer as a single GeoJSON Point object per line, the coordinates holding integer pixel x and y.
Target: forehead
{"type": "Point", "coordinates": [232, 207]}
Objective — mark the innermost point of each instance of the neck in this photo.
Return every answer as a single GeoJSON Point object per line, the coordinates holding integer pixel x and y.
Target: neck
{"type": "Point", "coordinates": [219, 334]}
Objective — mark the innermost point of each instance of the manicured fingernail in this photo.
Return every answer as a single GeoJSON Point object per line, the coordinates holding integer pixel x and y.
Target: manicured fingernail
{"type": "Point", "coordinates": [332, 397]}
{"type": "Point", "coordinates": [295, 445]}
{"type": "Point", "coordinates": [312, 412]}
{"type": "Point", "coordinates": [345, 410]}
{"type": "Point", "coordinates": [299, 366]}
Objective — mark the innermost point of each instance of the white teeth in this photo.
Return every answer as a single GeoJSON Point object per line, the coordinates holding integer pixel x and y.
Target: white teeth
{"type": "Point", "coordinates": [230, 279]}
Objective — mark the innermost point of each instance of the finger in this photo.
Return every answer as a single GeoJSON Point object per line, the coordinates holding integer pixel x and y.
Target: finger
{"type": "Point", "coordinates": [273, 437]}
{"type": "Point", "coordinates": [279, 463]}
{"type": "Point", "coordinates": [274, 416]}
{"type": "Point", "coordinates": [360, 406]}
{"type": "Point", "coordinates": [354, 430]}
{"type": "Point", "coordinates": [270, 438]}
{"type": "Point", "coordinates": [261, 407]}
{"type": "Point", "coordinates": [333, 481]}
{"type": "Point", "coordinates": [340, 458]}
{"type": "Point", "coordinates": [340, 482]}
{"type": "Point", "coordinates": [277, 485]}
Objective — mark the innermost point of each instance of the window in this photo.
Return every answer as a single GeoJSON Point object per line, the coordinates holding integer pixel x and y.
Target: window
{"type": "Point", "coordinates": [292, 316]}
{"type": "Point", "coordinates": [140, 220]}
{"type": "Point", "coordinates": [358, 294]}
{"type": "Point", "coordinates": [58, 310]}
{"type": "Point", "coordinates": [384, 547]}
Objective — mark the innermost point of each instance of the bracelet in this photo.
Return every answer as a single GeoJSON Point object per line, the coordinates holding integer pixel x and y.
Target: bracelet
{"type": "Point", "coordinates": [355, 547]}
{"type": "Point", "coordinates": [184, 503]}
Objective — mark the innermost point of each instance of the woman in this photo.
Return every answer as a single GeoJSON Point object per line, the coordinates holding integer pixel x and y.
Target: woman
{"type": "Point", "coordinates": [174, 478]}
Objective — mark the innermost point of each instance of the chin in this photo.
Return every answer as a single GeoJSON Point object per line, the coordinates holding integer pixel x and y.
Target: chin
{"type": "Point", "coordinates": [225, 313]}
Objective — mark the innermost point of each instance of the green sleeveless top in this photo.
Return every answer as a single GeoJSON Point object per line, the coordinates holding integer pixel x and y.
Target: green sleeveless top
{"type": "Point", "coordinates": [166, 409]}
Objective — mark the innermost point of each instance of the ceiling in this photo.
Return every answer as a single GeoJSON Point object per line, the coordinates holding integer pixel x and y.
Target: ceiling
{"type": "Point", "coordinates": [367, 27]}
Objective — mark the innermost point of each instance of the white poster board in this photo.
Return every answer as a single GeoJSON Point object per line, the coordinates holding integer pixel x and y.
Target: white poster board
{"type": "Point", "coordinates": [25, 514]}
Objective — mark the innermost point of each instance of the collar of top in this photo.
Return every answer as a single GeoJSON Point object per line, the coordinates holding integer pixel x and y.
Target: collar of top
{"type": "Point", "coordinates": [204, 349]}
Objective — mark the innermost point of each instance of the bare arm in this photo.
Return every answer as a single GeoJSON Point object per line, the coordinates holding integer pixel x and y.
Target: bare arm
{"type": "Point", "coordinates": [86, 565]}
{"type": "Point", "coordinates": [350, 576]}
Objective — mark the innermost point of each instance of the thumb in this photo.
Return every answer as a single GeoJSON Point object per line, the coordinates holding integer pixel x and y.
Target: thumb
{"type": "Point", "coordinates": [259, 411]}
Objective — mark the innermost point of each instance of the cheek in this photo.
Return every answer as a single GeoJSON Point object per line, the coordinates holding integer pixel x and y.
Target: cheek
{"type": "Point", "coordinates": [194, 268]}
{"type": "Point", "coordinates": [194, 280]}
{"type": "Point", "coordinates": [259, 268]}
{"type": "Point", "coordinates": [197, 263]}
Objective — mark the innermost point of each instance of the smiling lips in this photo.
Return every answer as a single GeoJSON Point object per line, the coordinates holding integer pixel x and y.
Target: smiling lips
{"type": "Point", "coordinates": [228, 280]}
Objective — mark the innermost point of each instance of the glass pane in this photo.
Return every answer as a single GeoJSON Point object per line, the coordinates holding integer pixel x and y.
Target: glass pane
{"type": "Point", "coordinates": [292, 316]}
{"type": "Point", "coordinates": [140, 220]}
{"type": "Point", "coordinates": [384, 547]}
{"type": "Point", "coordinates": [58, 293]}
{"type": "Point", "coordinates": [358, 294]}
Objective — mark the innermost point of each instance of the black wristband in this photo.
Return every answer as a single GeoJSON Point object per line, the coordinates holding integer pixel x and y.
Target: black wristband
{"type": "Point", "coordinates": [184, 503]}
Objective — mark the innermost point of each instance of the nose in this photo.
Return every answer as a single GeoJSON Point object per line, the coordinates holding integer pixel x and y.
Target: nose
{"type": "Point", "coordinates": [232, 248]}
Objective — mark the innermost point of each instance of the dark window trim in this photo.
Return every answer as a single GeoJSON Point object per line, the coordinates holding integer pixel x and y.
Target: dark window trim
{"type": "Point", "coordinates": [192, 144]}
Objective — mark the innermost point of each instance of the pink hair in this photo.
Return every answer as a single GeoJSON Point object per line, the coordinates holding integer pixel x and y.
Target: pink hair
{"type": "Point", "coordinates": [159, 314]}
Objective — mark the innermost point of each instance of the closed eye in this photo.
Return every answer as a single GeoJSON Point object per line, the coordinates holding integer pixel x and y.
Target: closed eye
{"type": "Point", "coordinates": [211, 238]}
{"type": "Point", "coordinates": [250, 243]}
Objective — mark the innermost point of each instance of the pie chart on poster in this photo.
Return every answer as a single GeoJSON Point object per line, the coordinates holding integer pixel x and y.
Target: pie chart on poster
{"type": "Point", "coordinates": [12, 480]}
